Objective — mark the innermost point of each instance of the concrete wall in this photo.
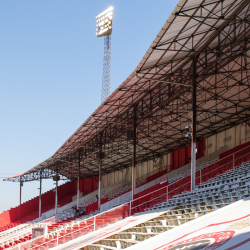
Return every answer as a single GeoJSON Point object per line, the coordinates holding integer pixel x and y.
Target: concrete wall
{"type": "Point", "coordinates": [125, 176]}
{"type": "Point", "coordinates": [230, 138]}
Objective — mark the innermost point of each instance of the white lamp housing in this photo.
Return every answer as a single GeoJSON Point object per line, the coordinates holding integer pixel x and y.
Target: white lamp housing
{"type": "Point", "coordinates": [104, 22]}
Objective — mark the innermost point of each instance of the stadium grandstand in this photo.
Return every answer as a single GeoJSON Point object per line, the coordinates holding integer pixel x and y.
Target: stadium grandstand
{"type": "Point", "coordinates": [134, 181]}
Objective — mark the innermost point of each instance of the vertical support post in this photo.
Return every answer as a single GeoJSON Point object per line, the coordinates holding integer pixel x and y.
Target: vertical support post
{"type": "Point", "coordinates": [40, 196]}
{"type": "Point", "coordinates": [134, 156]}
{"type": "Point", "coordinates": [78, 181]}
{"type": "Point", "coordinates": [56, 198]}
{"type": "Point", "coordinates": [21, 184]}
{"type": "Point", "coordinates": [100, 183]}
{"type": "Point", "coordinates": [193, 142]}
{"type": "Point", "coordinates": [100, 174]}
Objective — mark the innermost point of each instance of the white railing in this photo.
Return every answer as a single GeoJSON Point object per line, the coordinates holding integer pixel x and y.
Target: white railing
{"type": "Point", "coordinates": [139, 181]}
{"type": "Point", "coordinates": [165, 196]}
{"type": "Point", "coordinates": [93, 223]}
{"type": "Point", "coordinates": [129, 205]}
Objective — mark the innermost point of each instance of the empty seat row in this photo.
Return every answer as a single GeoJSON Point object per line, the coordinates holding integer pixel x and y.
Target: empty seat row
{"type": "Point", "coordinates": [216, 193]}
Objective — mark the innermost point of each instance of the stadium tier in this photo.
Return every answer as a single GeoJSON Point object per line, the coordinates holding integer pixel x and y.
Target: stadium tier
{"type": "Point", "coordinates": [28, 211]}
{"type": "Point", "coordinates": [166, 155]}
{"type": "Point", "coordinates": [223, 182]}
{"type": "Point", "coordinates": [67, 192]}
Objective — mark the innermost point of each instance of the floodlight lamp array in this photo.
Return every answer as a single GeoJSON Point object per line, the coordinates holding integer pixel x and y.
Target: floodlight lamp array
{"type": "Point", "coordinates": [104, 22]}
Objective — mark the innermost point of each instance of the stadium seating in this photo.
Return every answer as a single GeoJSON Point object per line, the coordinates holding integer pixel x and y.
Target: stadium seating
{"type": "Point", "coordinates": [50, 202]}
{"type": "Point", "coordinates": [69, 215]}
{"type": "Point", "coordinates": [154, 199]}
{"type": "Point", "coordinates": [68, 227]}
{"type": "Point", "coordinates": [212, 195]}
{"type": "Point", "coordinates": [28, 211]}
{"type": "Point", "coordinates": [182, 183]}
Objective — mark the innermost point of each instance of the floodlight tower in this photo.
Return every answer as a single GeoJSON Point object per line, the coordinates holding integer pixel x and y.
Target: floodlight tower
{"type": "Point", "coordinates": [104, 28]}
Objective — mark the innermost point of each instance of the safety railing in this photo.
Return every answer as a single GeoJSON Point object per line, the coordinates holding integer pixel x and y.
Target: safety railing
{"type": "Point", "coordinates": [60, 238]}
{"type": "Point", "coordinates": [123, 189]}
{"type": "Point", "coordinates": [139, 181]}
{"type": "Point", "coordinates": [165, 193]}
{"type": "Point", "coordinates": [16, 234]}
{"type": "Point", "coordinates": [23, 231]}
{"type": "Point", "coordinates": [12, 230]}
{"type": "Point", "coordinates": [245, 139]}
{"type": "Point", "coordinates": [76, 230]}
{"type": "Point", "coordinates": [144, 177]}
{"type": "Point", "coordinates": [163, 180]}
{"type": "Point", "coordinates": [126, 187]}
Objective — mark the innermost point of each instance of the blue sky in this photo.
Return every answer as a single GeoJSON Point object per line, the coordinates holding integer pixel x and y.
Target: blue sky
{"type": "Point", "coordinates": [51, 72]}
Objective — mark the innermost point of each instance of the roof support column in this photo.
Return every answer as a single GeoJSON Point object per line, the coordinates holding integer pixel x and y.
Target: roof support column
{"type": "Point", "coordinates": [100, 173]}
{"type": "Point", "coordinates": [40, 196]}
{"type": "Point", "coordinates": [193, 142]}
{"type": "Point", "coordinates": [100, 183]}
{"type": "Point", "coordinates": [21, 184]}
{"type": "Point", "coordinates": [134, 156]}
{"type": "Point", "coordinates": [78, 181]}
{"type": "Point", "coordinates": [56, 195]}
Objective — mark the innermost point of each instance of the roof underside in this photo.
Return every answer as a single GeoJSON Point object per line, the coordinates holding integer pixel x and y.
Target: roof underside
{"type": "Point", "coordinates": [217, 34]}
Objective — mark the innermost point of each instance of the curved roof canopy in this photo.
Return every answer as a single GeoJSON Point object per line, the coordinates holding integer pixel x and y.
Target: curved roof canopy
{"type": "Point", "coordinates": [156, 95]}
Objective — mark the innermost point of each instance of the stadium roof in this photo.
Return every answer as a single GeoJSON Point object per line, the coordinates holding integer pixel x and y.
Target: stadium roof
{"type": "Point", "coordinates": [159, 92]}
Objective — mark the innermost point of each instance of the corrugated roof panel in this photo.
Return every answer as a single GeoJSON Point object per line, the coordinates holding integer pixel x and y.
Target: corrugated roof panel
{"type": "Point", "coordinates": [183, 37]}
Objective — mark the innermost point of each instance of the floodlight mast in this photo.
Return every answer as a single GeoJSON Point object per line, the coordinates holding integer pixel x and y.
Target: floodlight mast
{"type": "Point", "coordinates": [104, 28]}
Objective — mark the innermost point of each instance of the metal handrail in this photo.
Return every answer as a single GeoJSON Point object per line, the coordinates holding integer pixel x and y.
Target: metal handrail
{"type": "Point", "coordinates": [197, 171]}
{"type": "Point", "coordinates": [51, 233]}
{"type": "Point", "coordinates": [91, 201]}
{"type": "Point", "coordinates": [23, 231]}
{"type": "Point", "coordinates": [140, 178]}
{"type": "Point", "coordinates": [57, 238]}
{"type": "Point", "coordinates": [158, 190]}
{"type": "Point", "coordinates": [233, 154]}
{"type": "Point", "coordinates": [130, 203]}
{"type": "Point", "coordinates": [244, 139]}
